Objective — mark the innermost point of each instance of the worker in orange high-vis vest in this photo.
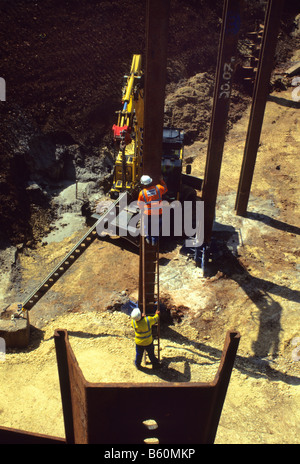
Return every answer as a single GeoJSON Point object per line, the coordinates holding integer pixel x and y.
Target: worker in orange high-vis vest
{"type": "Point", "coordinates": [149, 202]}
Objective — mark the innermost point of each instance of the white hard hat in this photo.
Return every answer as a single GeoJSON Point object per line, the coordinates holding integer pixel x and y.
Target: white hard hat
{"type": "Point", "coordinates": [146, 180]}
{"type": "Point", "coordinates": [136, 314]}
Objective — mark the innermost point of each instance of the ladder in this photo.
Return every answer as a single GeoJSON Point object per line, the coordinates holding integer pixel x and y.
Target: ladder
{"type": "Point", "coordinates": [149, 286]}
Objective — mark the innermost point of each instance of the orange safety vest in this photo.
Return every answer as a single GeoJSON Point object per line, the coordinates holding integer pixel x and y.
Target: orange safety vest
{"type": "Point", "coordinates": [150, 198]}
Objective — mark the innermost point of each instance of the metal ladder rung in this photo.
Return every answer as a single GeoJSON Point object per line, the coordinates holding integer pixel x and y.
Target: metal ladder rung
{"type": "Point", "coordinates": [150, 255]}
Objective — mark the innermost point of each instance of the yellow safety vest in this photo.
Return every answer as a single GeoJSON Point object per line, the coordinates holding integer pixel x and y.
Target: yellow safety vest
{"type": "Point", "coordinates": [143, 331]}
{"type": "Point", "coordinates": [149, 200]}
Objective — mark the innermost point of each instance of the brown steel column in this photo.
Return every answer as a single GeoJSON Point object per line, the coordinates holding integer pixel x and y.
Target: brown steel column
{"type": "Point", "coordinates": [260, 94]}
{"type": "Point", "coordinates": [65, 387]}
{"type": "Point", "coordinates": [157, 18]}
{"type": "Point", "coordinates": [222, 93]}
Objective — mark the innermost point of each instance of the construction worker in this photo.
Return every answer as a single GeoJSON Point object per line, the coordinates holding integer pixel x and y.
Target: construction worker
{"type": "Point", "coordinates": [143, 336]}
{"type": "Point", "coordinates": [149, 203]}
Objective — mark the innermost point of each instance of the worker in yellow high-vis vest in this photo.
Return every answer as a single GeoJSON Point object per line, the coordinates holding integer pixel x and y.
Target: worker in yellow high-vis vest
{"type": "Point", "coordinates": [142, 325]}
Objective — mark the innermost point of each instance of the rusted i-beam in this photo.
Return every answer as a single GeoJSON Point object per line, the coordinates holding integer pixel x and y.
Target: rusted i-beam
{"type": "Point", "coordinates": [222, 92]}
{"type": "Point", "coordinates": [113, 413]}
{"type": "Point", "coordinates": [260, 94]}
{"type": "Point", "coordinates": [157, 19]}
{"type": "Point", "coordinates": [10, 436]}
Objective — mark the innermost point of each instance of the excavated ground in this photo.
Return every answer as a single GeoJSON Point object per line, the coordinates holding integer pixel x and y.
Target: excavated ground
{"type": "Point", "coordinates": [252, 287]}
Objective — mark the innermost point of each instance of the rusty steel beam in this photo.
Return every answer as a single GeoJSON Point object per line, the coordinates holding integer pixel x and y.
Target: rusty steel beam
{"type": "Point", "coordinates": [65, 387]}
{"type": "Point", "coordinates": [9, 436]}
{"type": "Point", "coordinates": [157, 19]}
{"type": "Point", "coordinates": [113, 413]}
{"type": "Point", "coordinates": [148, 298]}
{"type": "Point", "coordinates": [260, 94]}
{"type": "Point", "coordinates": [222, 93]}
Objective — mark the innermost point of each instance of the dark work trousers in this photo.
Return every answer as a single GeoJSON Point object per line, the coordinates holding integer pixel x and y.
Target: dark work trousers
{"type": "Point", "coordinates": [140, 351]}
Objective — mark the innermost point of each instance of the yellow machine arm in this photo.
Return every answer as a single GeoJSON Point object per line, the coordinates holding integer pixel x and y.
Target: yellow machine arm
{"type": "Point", "coordinates": [128, 131]}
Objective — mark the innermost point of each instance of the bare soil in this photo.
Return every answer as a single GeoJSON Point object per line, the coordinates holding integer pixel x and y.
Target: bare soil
{"type": "Point", "coordinates": [253, 288]}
